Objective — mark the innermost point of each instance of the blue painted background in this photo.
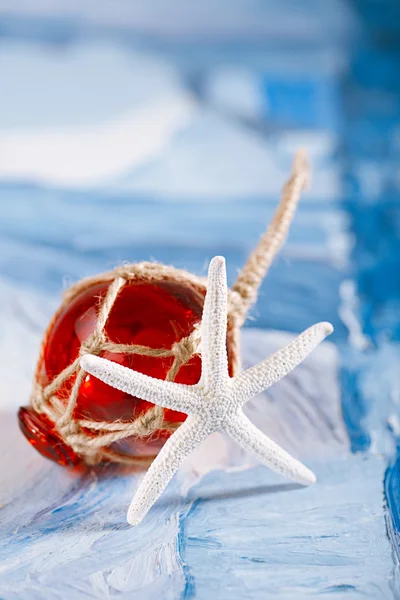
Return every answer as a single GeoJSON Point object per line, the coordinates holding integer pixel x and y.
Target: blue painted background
{"type": "Point", "coordinates": [222, 96]}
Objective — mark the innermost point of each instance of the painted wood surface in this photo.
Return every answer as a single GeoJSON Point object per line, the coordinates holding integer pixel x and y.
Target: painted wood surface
{"type": "Point", "coordinates": [132, 142]}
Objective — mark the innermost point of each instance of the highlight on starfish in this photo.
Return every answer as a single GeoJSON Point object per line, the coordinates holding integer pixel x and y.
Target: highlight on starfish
{"type": "Point", "coordinates": [216, 402]}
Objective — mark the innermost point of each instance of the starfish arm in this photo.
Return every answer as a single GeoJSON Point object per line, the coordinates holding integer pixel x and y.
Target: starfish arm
{"type": "Point", "coordinates": [275, 367]}
{"type": "Point", "coordinates": [213, 327]}
{"type": "Point", "coordinates": [163, 393]}
{"type": "Point", "coordinates": [163, 468]}
{"type": "Point", "coordinates": [267, 451]}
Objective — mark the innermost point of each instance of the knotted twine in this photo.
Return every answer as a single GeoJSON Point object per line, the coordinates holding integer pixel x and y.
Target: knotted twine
{"type": "Point", "coordinates": [91, 440]}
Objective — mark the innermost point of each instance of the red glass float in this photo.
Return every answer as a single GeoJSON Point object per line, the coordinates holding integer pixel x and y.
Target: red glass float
{"type": "Point", "coordinates": [154, 315]}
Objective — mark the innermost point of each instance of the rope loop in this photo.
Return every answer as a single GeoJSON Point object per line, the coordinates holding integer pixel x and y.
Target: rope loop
{"type": "Point", "coordinates": [184, 350]}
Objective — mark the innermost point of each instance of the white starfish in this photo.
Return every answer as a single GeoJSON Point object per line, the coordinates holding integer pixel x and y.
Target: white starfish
{"type": "Point", "coordinates": [216, 402]}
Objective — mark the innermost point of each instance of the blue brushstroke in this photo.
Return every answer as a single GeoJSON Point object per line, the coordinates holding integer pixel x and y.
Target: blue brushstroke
{"type": "Point", "coordinates": [189, 590]}
{"type": "Point", "coordinates": [392, 494]}
{"type": "Point", "coordinates": [355, 408]}
{"type": "Point", "coordinates": [373, 88]}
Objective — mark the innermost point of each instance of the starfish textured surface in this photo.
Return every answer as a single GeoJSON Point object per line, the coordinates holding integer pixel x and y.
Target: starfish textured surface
{"type": "Point", "coordinates": [216, 402]}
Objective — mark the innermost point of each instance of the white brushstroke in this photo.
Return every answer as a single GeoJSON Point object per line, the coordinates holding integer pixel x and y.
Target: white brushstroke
{"type": "Point", "coordinates": [348, 311]}
{"type": "Point", "coordinates": [222, 159]}
{"type": "Point", "coordinates": [88, 156]}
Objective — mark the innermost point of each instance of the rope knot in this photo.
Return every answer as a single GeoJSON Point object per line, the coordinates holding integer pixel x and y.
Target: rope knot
{"type": "Point", "coordinates": [129, 272]}
{"type": "Point", "coordinates": [94, 344]}
{"type": "Point", "coordinates": [184, 350]}
{"type": "Point", "coordinates": [150, 421]}
{"type": "Point", "coordinates": [124, 271]}
{"type": "Point", "coordinates": [72, 434]}
{"type": "Point", "coordinates": [67, 428]}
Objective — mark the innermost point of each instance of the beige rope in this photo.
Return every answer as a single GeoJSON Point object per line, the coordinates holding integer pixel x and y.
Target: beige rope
{"type": "Point", "coordinates": [91, 440]}
{"type": "Point", "coordinates": [259, 261]}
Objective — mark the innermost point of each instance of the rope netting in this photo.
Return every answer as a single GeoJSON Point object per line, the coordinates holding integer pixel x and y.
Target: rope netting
{"type": "Point", "coordinates": [91, 440]}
